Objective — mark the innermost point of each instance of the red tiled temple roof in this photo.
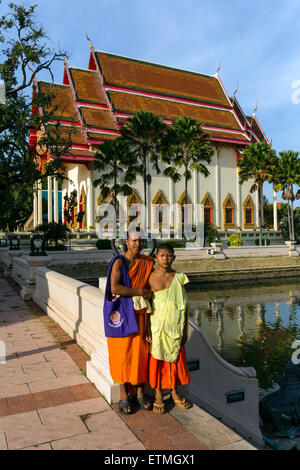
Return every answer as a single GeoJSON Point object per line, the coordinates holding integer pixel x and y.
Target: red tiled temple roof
{"type": "Point", "coordinates": [130, 103]}
{"type": "Point", "coordinates": [99, 101]}
{"type": "Point", "coordinates": [87, 86]}
{"type": "Point", "coordinates": [161, 79]}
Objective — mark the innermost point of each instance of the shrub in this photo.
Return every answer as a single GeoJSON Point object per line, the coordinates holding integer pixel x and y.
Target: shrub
{"type": "Point", "coordinates": [211, 234]}
{"type": "Point", "coordinates": [54, 232]}
{"type": "Point", "coordinates": [265, 241]}
{"type": "Point", "coordinates": [103, 244]}
{"type": "Point", "coordinates": [235, 240]}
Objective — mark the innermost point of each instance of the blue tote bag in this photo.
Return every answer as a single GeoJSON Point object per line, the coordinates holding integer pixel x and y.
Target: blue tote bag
{"type": "Point", "coordinates": [119, 314]}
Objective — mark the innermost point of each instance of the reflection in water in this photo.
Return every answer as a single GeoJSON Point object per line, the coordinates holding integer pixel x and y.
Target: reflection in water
{"type": "Point", "coordinates": [250, 325]}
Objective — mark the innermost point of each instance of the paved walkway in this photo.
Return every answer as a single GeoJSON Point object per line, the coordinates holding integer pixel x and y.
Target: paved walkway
{"type": "Point", "coordinates": [46, 401]}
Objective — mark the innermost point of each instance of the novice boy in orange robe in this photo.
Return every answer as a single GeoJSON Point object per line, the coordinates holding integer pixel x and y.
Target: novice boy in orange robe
{"type": "Point", "coordinates": [168, 366]}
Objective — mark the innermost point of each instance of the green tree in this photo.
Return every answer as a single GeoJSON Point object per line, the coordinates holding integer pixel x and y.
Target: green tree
{"type": "Point", "coordinates": [186, 147]}
{"type": "Point", "coordinates": [257, 162]}
{"type": "Point", "coordinates": [54, 231]}
{"type": "Point", "coordinates": [286, 177]}
{"type": "Point", "coordinates": [113, 163]}
{"type": "Point", "coordinates": [143, 133]}
{"type": "Point", "coordinates": [23, 55]}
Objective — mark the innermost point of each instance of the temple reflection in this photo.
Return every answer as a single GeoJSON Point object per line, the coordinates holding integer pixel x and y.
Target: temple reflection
{"type": "Point", "coordinates": [250, 325]}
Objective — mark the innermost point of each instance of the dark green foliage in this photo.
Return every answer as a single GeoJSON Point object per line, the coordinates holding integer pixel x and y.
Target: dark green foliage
{"type": "Point", "coordinates": [103, 244]}
{"type": "Point", "coordinates": [211, 234]}
{"type": "Point", "coordinates": [54, 232]}
{"type": "Point", "coordinates": [258, 162]}
{"type": "Point", "coordinates": [114, 164]}
{"type": "Point", "coordinates": [23, 55]}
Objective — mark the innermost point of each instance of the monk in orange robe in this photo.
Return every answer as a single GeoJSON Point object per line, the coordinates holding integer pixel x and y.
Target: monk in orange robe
{"type": "Point", "coordinates": [128, 356]}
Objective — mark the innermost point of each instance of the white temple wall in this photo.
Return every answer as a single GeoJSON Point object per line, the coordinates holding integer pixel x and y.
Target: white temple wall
{"type": "Point", "coordinates": [223, 180]}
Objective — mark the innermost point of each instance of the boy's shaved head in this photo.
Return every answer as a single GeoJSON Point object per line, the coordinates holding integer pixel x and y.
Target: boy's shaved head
{"type": "Point", "coordinates": [165, 246]}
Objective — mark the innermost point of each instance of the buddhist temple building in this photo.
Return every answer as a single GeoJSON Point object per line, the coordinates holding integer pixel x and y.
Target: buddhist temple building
{"type": "Point", "coordinates": [98, 100]}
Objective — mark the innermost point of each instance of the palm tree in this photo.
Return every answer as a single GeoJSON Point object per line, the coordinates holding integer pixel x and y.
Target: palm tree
{"type": "Point", "coordinates": [257, 162]}
{"type": "Point", "coordinates": [112, 161]}
{"type": "Point", "coordinates": [143, 133]}
{"type": "Point", "coordinates": [286, 176]}
{"type": "Point", "coordinates": [186, 146]}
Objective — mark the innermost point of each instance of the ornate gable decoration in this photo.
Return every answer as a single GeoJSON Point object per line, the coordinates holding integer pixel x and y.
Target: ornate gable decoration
{"type": "Point", "coordinates": [159, 199]}
{"type": "Point", "coordinates": [134, 198]}
{"type": "Point", "coordinates": [182, 198]}
{"type": "Point", "coordinates": [228, 202]}
{"type": "Point", "coordinates": [248, 203]}
{"type": "Point", "coordinates": [207, 201]}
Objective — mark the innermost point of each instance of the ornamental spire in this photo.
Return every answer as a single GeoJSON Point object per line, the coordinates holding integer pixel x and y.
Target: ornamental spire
{"type": "Point", "coordinates": [218, 69]}
{"type": "Point", "coordinates": [86, 35]}
{"type": "Point", "coordinates": [236, 90]}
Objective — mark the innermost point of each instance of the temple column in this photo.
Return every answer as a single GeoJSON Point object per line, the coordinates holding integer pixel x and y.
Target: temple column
{"type": "Point", "coordinates": [49, 199]}
{"type": "Point", "coordinates": [257, 209]}
{"type": "Point", "coordinates": [195, 196]}
{"type": "Point", "coordinates": [90, 202]}
{"type": "Point", "coordinates": [40, 202]}
{"type": "Point", "coordinates": [275, 218]}
{"type": "Point", "coordinates": [238, 200]}
{"type": "Point", "coordinates": [171, 200]}
{"type": "Point", "coordinates": [218, 190]}
{"type": "Point", "coordinates": [35, 206]}
{"type": "Point", "coordinates": [56, 215]}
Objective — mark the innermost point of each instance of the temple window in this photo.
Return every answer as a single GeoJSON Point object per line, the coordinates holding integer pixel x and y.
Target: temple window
{"type": "Point", "coordinates": [228, 212]}
{"type": "Point", "coordinates": [208, 208]}
{"type": "Point", "coordinates": [159, 211]}
{"type": "Point", "coordinates": [248, 212]}
{"type": "Point", "coordinates": [188, 214]}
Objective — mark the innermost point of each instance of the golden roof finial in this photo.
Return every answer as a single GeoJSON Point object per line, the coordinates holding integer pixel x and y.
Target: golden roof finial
{"type": "Point", "coordinates": [236, 90]}
{"type": "Point", "coordinates": [218, 69]}
{"type": "Point", "coordinates": [86, 35]}
{"type": "Point", "coordinates": [59, 50]}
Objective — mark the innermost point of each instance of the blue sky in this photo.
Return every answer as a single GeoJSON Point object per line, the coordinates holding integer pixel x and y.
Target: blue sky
{"type": "Point", "coordinates": [257, 43]}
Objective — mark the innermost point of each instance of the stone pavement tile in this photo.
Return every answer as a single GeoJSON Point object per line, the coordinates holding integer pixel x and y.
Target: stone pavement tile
{"type": "Point", "coordinates": [239, 445]}
{"type": "Point", "coordinates": [132, 446]}
{"type": "Point", "coordinates": [209, 430]}
{"type": "Point", "coordinates": [26, 429]}
{"type": "Point", "coordinates": [112, 429]}
{"type": "Point", "coordinates": [95, 441]}
{"type": "Point", "coordinates": [62, 426]}
{"type": "Point", "coordinates": [8, 390]}
{"type": "Point", "coordinates": [22, 430]}
{"type": "Point", "coordinates": [79, 408]}
{"type": "Point", "coordinates": [63, 370]}
{"type": "Point", "coordinates": [3, 444]}
{"type": "Point", "coordinates": [57, 382]}
{"type": "Point", "coordinates": [4, 411]}
{"type": "Point", "coordinates": [39, 447]}
{"type": "Point", "coordinates": [10, 372]}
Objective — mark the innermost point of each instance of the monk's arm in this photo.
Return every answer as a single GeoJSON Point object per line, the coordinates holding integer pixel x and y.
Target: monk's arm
{"type": "Point", "coordinates": [116, 286]}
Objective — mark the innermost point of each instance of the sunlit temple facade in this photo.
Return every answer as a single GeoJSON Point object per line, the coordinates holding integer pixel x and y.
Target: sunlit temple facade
{"type": "Point", "coordinates": [99, 99]}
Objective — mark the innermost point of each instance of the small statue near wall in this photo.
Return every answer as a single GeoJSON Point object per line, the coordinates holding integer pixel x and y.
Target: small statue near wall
{"type": "Point", "coordinates": [282, 408]}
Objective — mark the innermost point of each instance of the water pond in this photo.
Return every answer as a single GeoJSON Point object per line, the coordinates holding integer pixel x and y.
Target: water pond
{"type": "Point", "coordinates": [251, 324]}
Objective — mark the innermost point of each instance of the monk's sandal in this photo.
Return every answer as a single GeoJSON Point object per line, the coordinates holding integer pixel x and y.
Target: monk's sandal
{"type": "Point", "coordinates": [158, 409]}
{"type": "Point", "coordinates": [123, 404]}
{"type": "Point", "coordinates": [143, 402]}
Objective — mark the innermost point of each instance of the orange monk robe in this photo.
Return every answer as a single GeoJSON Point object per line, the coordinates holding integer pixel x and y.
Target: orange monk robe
{"type": "Point", "coordinates": [128, 357]}
{"type": "Point", "coordinates": [164, 375]}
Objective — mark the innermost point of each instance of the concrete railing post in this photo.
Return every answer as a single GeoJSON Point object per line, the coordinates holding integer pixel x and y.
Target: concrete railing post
{"type": "Point", "coordinates": [292, 248]}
